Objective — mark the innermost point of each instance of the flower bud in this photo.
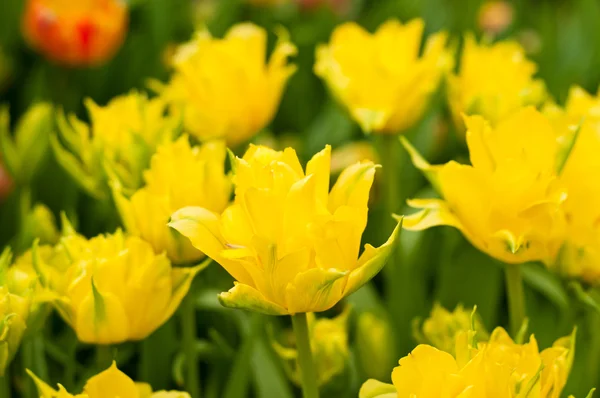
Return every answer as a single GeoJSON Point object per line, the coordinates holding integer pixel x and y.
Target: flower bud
{"type": "Point", "coordinates": [373, 341]}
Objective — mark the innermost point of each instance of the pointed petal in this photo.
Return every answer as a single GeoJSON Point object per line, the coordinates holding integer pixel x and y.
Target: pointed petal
{"type": "Point", "coordinates": [376, 389]}
{"type": "Point", "coordinates": [248, 298]}
{"type": "Point", "coordinates": [111, 383]}
{"type": "Point", "coordinates": [435, 213]}
{"type": "Point", "coordinates": [320, 167]}
{"type": "Point", "coordinates": [44, 390]}
{"type": "Point", "coordinates": [430, 172]}
{"type": "Point", "coordinates": [371, 262]}
{"type": "Point", "coordinates": [315, 290]}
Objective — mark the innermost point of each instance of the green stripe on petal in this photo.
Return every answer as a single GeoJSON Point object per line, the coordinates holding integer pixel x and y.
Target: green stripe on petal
{"type": "Point", "coordinates": [315, 290]}
{"type": "Point", "coordinates": [248, 298]}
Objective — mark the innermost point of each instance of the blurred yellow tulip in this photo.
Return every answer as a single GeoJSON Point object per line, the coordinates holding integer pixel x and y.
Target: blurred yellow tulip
{"type": "Point", "coordinates": [118, 143]}
{"type": "Point", "coordinates": [494, 81]}
{"type": "Point", "coordinates": [179, 175]}
{"type": "Point", "coordinates": [579, 124]}
{"type": "Point", "coordinates": [117, 289]}
{"type": "Point", "coordinates": [14, 313]}
{"type": "Point", "coordinates": [329, 346]}
{"type": "Point", "coordinates": [441, 328]}
{"type": "Point", "coordinates": [498, 368]}
{"type": "Point", "coordinates": [374, 345]}
{"type": "Point", "coordinates": [381, 78]}
{"type": "Point", "coordinates": [106, 384]}
{"type": "Point", "coordinates": [224, 87]}
{"type": "Point", "coordinates": [290, 243]}
{"type": "Point", "coordinates": [507, 203]}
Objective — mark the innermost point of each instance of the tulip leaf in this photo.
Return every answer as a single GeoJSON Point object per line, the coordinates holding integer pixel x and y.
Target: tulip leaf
{"type": "Point", "coordinates": [8, 150]}
{"type": "Point", "coordinates": [586, 298]}
{"type": "Point", "coordinates": [546, 283]}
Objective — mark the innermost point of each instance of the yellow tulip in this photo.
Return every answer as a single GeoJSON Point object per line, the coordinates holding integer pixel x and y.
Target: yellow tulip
{"type": "Point", "coordinates": [117, 289]}
{"type": "Point", "coordinates": [106, 384]}
{"type": "Point", "coordinates": [329, 346]}
{"type": "Point", "coordinates": [494, 81]}
{"type": "Point", "coordinates": [291, 244]}
{"type": "Point", "coordinates": [381, 78]}
{"type": "Point", "coordinates": [122, 137]}
{"type": "Point", "coordinates": [507, 202]}
{"type": "Point", "coordinates": [224, 87]}
{"type": "Point", "coordinates": [179, 176]}
{"type": "Point", "coordinates": [442, 327]}
{"type": "Point", "coordinates": [498, 368]}
{"type": "Point", "coordinates": [580, 121]}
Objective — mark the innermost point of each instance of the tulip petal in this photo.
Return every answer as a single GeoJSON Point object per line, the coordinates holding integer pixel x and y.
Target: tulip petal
{"type": "Point", "coordinates": [181, 279]}
{"type": "Point", "coordinates": [371, 262]}
{"type": "Point", "coordinates": [111, 383]}
{"type": "Point", "coordinates": [352, 186]}
{"type": "Point", "coordinates": [376, 389]}
{"type": "Point", "coordinates": [430, 172]}
{"type": "Point", "coordinates": [248, 298]}
{"type": "Point", "coordinates": [201, 227]}
{"type": "Point", "coordinates": [44, 390]}
{"type": "Point", "coordinates": [320, 167]}
{"type": "Point", "coordinates": [435, 213]}
{"type": "Point", "coordinates": [315, 290]}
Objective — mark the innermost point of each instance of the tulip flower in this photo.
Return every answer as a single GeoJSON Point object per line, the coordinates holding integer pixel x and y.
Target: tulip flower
{"type": "Point", "coordinates": [291, 245]}
{"type": "Point", "coordinates": [225, 87]}
{"type": "Point", "coordinates": [81, 33]}
{"type": "Point", "coordinates": [117, 289]}
{"type": "Point", "coordinates": [381, 78]}
{"type": "Point", "coordinates": [179, 176]}
{"type": "Point", "coordinates": [579, 123]}
{"type": "Point", "coordinates": [482, 370]}
{"type": "Point", "coordinates": [507, 202]}
{"type": "Point", "coordinates": [108, 383]}
{"type": "Point", "coordinates": [441, 328]}
{"type": "Point", "coordinates": [122, 137]}
{"type": "Point", "coordinates": [329, 344]}
{"type": "Point", "coordinates": [494, 81]}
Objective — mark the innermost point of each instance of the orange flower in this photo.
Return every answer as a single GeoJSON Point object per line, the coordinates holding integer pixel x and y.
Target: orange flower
{"type": "Point", "coordinates": [75, 33]}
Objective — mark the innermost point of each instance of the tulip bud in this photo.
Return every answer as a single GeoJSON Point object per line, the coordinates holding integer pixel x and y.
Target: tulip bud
{"type": "Point", "coordinates": [442, 327]}
{"type": "Point", "coordinates": [329, 345]}
{"type": "Point", "coordinates": [84, 33]}
{"type": "Point", "coordinates": [108, 383]}
{"type": "Point", "coordinates": [23, 152]}
{"type": "Point", "coordinates": [374, 340]}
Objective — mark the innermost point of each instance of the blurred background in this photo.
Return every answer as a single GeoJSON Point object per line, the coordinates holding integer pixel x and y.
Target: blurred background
{"type": "Point", "coordinates": [561, 36]}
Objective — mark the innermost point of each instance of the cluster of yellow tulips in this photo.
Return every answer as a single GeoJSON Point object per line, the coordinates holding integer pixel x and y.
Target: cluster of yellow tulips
{"type": "Point", "coordinates": [287, 233]}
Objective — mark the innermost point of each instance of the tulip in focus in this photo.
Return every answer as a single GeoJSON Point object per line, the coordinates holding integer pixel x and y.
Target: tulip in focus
{"type": "Point", "coordinates": [442, 327]}
{"type": "Point", "coordinates": [78, 33]}
{"type": "Point", "coordinates": [579, 123]}
{"type": "Point", "coordinates": [381, 78]}
{"type": "Point", "coordinates": [106, 384]}
{"type": "Point", "coordinates": [225, 87]}
{"type": "Point", "coordinates": [179, 175]}
{"type": "Point", "coordinates": [507, 202]}
{"type": "Point", "coordinates": [122, 137]}
{"type": "Point", "coordinates": [494, 81]}
{"type": "Point", "coordinates": [329, 345]}
{"type": "Point", "coordinates": [499, 367]}
{"type": "Point", "coordinates": [290, 243]}
{"type": "Point", "coordinates": [117, 289]}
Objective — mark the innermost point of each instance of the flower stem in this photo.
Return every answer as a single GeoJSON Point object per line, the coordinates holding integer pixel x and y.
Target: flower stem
{"type": "Point", "coordinates": [104, 357]}
{"type": "Point", "coordinates": [5, 384]}
{"type": "Point", "coordinates": [188, 325]}
{"type": "Point", "coordinates": [308, 372]}
{"type": "Point", "coordinates": [516, 298]}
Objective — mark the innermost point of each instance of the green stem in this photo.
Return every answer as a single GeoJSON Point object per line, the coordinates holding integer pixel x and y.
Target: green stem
{"type": "Point", "coordinates": [308, 372]}
{"type": "Point", "coordinates": [516, 298]}
{"type": "Point", "coordinates": [188, 324]}
{"type": "Point", "coordinates": [104, 357]}
{"type": "Point", "coordinates": [5, 384]}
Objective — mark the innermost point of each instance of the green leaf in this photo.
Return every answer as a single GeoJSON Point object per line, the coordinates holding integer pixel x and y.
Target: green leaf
{"type": "Point", "coordinates": [548, 284]}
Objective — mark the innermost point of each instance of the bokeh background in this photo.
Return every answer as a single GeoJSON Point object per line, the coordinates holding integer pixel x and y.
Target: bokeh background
{"type": "Point", "coordinates": [562, 36]}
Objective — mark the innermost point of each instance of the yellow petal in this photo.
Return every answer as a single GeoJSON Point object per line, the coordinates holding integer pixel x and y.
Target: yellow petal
{"type": "Point", "coordinates": [376, 389]}
{"type": "Point", "coordinates": [44, 390]}
{"type": "Point", "coordinates": [371, 262]}
{"type": "Point", "coordinates": [111, 383]}
{"type": "Point", "coordinates": [248, 298]}
{"type": "Point", "coordinates": [315, 290]}
{"type": "Point", "coordinates": [352, 186]}
{"type": "Point", "coordinates": [435, 212]}
{"type": "Point", "coordinates": [320, 167]}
